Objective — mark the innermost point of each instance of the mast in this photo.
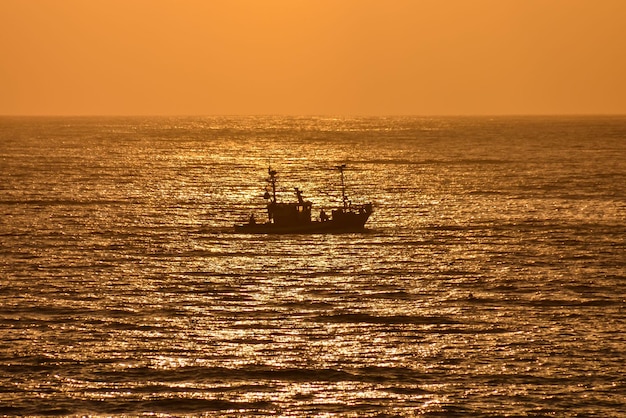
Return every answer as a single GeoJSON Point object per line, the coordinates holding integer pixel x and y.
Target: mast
{"type": "Point", "coordinates": [343, 186]}
{"type": "Point", "coordinates": [272, 180]}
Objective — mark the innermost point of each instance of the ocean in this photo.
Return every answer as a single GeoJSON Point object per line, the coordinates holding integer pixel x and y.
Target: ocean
{"type": "Point", "coordinates": [491, 279]}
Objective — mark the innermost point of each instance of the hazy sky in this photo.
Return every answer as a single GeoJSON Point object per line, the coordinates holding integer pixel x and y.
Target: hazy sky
{"type": "Point", "coordinates": [345, 57]}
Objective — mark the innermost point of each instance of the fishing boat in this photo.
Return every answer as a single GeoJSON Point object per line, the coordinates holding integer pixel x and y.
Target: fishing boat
{"type": "Point", "coordinates": [295, 217]}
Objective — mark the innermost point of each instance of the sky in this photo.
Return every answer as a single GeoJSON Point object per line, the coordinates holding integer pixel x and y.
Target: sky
{"type": "Point", "coordinates": [312, 57]}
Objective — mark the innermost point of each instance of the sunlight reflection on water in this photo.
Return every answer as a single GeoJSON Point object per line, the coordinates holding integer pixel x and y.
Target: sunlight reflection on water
{"type": "Point", "coordinates": [489, 281]}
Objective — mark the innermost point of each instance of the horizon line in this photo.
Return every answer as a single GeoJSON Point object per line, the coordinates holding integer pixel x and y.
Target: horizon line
{"type": "Point", "coordinates": [311, 115]}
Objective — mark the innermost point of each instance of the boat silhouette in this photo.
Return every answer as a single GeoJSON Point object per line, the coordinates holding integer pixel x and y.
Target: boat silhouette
{"type": "Point", "coordinates": [295, 217]}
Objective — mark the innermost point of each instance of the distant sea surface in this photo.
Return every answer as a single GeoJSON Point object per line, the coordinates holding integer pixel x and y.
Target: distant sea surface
{"type": "Point", "coordinates": [491, 280]}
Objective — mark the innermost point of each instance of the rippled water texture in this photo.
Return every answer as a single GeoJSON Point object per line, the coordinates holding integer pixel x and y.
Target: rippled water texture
{"type": "Point", "coordinates": [490, 282]}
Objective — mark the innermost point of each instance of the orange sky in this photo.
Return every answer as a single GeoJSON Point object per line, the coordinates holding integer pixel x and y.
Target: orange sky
{"type": "Point", "coordinates": [343, 57]}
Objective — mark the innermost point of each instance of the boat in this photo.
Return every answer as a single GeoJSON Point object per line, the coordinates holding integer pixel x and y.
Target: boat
{"type": "Point", "coordinates": [295, 217]}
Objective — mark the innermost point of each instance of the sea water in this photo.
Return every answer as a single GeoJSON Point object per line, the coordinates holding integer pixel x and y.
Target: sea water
{"type": "Point", "coordinates": [491, 280]}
